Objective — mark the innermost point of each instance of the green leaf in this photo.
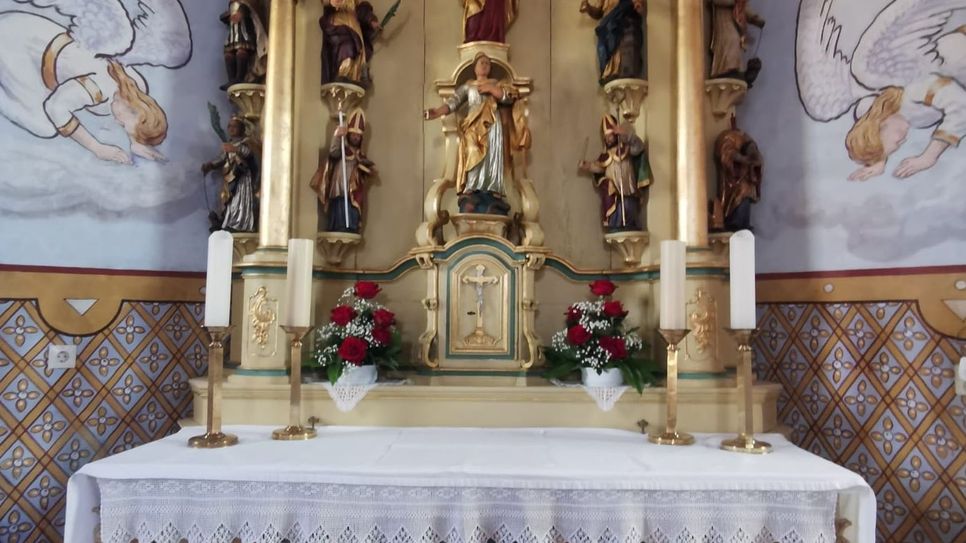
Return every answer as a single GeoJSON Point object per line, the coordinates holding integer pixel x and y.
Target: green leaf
{"type": "Point", "coordinates": [334, 371]}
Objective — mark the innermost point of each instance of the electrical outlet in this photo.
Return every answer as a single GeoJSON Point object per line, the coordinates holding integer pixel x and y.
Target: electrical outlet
{"type": "Point", "coordinates": [61, 357]}
{"type": "Point", "coordinates": [961, 377]}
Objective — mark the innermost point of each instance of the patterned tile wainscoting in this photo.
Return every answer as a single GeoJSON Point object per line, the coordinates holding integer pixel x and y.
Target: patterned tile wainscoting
{"type": "Point", "coordinates": [870, 386]}
{"type": "Point", "coordinates": [130, 387]}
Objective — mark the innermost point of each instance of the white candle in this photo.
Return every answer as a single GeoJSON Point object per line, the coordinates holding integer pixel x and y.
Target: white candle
{"type": "Point", "coordinates": [673, 271]}
{"type": "Point", "coordinates": [299, 282]}
{"type": "Point", "coordinates": [218, 280]}
{"type": "Point", "coordinates": [743, 280]}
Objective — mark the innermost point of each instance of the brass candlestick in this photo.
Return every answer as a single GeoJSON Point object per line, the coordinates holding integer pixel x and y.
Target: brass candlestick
{"type": "Point", "coordinates": [295, 431]}
{"type": "Point", "coordinates": [213, 438]}
{"type": "Point", "coordinates": [745, 442]}
{"type": "Point", "coordinates": [670, 435]}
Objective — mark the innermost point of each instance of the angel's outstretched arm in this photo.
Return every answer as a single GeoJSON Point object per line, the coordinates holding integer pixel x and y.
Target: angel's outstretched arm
{"type": "Point", "coordinates": [74, 95]}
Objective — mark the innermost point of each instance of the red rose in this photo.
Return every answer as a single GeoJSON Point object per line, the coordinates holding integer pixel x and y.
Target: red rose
{"type": "Point", "coordinates": [602, 287]}
{"type": "Point", "coordinates": [614, 309]}
{"type": "Point", "coordinates": [573, 315]}
{"type": "Point", "coordinates": [382, 336]}
{"type": "Point", "coordinates": [366, 289]}
{"type": "Point", "coordinates": [342, 315]}
{"type": "Point", "coordinates": [615, 346]}
{"type": "Point", "coordinates": [353, 350]}
{"type": "Point", "coordinates": [383, 318]}
{"type": "Point", "coordinates": [577, 335]}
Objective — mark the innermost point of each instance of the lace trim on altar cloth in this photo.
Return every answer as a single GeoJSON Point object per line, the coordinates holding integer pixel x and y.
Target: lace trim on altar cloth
{"type": "Point", "coordinates": [170, 511]}
{"type": "Point", "coordinates": [605, 397]}
{"type": "Point", "coordinates": [347, 397]}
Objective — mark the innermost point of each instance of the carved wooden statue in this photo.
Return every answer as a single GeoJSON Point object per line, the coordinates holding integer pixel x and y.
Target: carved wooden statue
{"type": "Point", "coordinates": [349, 28]}
{"type": "Point", "coordinates": [729, 39]}
{"type": "Point", "coordinates": [739, 165]}
{"type": "Point", "coordinates": [622, 174]}
{"type": "Point", "coordinates": [488, 20]}
{"type": "Point", "coordinates": [341, 180]}
{"type": "Point", "coordinates": [246, 47]}
{"type": "Point", "coordinates": [621, 38]}
{"type": "Point", "coordinates": [489, 132]}
{"type": "Point", "coordinates": [241, 179]}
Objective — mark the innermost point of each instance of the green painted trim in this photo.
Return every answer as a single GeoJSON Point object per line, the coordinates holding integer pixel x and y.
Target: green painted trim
{"type": "Point", "coordinates": [513, 316]}
{"type": "Point", "coordinates": [617, 276]}
{"type": "Point", "coordinates": [261, 373]}
{"type": "Point", "coordinates": [459, 245]}
{"type": "Point", "coordinates": [263, 270]}
{"type": "Point", "coordinates": [706, 375]}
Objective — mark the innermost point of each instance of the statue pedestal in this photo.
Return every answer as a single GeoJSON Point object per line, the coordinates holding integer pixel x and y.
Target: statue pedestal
{"type": "Point", "coordinates": [628, 95]}
{"type": "Point", "coordinates": [245, 244]}
{"type": "Point", "coordinates": [249, 98]}
{"type": "Point", "coordinates": [473, 224]}
{"type": "Point", "coordinates": [725, 94]}
{"type": "Point", "coordinates": [630, 245]}
{"type": "Point", "coordinates": [335, 245]}
{"type": "Point", "coordinates": [341, 97]}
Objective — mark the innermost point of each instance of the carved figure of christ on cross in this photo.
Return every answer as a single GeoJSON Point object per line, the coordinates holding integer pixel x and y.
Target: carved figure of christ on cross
{"type": "Point", "coordinates": [481, 281]}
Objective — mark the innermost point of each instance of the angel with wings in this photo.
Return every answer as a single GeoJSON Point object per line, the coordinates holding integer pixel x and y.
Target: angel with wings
{"type": "Point", "coordinates": [50, 71]}
{"type": "Point", "coordinates": [907, 71]}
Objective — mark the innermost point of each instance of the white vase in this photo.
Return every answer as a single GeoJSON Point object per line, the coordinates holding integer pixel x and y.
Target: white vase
{"type": "Point", "coordinates": [358, 375]}
{"type": "Point", "coordinates": [610, 377]}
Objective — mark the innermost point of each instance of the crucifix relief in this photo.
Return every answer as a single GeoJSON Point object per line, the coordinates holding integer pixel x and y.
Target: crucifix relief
{"type": "Point", "coordinates": [479, 337]}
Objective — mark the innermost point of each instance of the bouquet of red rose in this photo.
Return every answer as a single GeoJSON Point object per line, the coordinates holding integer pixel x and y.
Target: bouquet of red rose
{"type": "Point", "coordinates": [361, 332]}
{"type": "Point", "coordinates": [595, 339]}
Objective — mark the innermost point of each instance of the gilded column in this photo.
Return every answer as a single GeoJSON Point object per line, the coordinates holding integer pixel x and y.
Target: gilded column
{"type": "Point", "coordinates": [278, 145]}
{"type": "Point", "coordinates": [692, 179]}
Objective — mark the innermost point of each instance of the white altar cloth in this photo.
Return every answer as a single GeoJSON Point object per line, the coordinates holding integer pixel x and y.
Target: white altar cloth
{"type": "Point", "coordinates": [454, 485]}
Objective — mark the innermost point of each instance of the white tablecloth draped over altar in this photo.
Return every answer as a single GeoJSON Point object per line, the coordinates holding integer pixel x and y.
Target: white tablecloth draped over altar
{"type": "Point", "coordinates": [454, 485]}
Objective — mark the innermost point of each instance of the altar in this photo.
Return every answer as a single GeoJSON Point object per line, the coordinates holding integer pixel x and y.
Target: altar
{"type": "Point", "coordinates": [455, 485]}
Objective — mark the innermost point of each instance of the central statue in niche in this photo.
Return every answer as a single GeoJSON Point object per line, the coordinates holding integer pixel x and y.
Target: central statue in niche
{"type": "Point", "coordinates": [491, 129]}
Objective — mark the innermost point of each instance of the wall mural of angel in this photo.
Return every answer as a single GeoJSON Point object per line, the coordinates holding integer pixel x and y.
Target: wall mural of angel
{"type": "Point", "coordinates": [908, 71]}
{"type": "Point", "coordinates": [50, 72]}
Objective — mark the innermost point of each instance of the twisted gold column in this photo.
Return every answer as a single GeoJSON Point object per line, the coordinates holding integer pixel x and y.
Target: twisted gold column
{"type": "Point", "coordinates": [692, 175]}
{"type": "Point", "coordinates": [279, 119]}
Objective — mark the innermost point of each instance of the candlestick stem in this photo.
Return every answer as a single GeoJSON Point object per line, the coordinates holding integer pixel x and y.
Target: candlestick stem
{"type": "Point", "coordinates": [670, 435]}
{"type": "Point", "coordinates": [295, 431]}
{"type": "Point", "coordinates": [214, 438]}
{"type": "Point", "coordinates": [745, 442]}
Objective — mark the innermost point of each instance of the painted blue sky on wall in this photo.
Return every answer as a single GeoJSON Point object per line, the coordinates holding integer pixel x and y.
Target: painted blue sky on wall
{"type": "Point", "coordinates": [64, 205]}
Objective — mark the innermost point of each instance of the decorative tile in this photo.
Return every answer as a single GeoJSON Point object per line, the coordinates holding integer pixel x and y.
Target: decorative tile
{"type": "Point", "coordinates": [911, 404]}
{"type": "Point", "coordinates": [196, 356]}
{"type": "Point", "coordinates": [105, 361]}
{"type": "Point", "coordinates": [886, 368]}
{"type": "Point", "coordinates": [942, 443]}
{"type": "Point", "coordinates": [177, 329]}
{"type": "Point", "coordinates": [154, 358]}
{"type": "Point", "coordinates": [815, 333]}
{"type": "Point", "coordinates": [48, 426]}
{"type": "Point", "coordinates": [938, 372]}
{"type": "Point", "coordinates": [128, 440]}
{"type": "Point", "coordinates": [102, 421]}
{"type": "Point", "coordinates": [131, 330]}
{"type": "Point", "coordinates": [17, 461]}
{"type": "Point", "coordinates": [947, 517]}
{"type": "Point", "coordinates": [21, 396]}
{"type": "Point", "coordinates": [128, 390]}
{"type": "Point", "coordinates": [16, 526]}
{"type": "Point", "coordinates": [78, 393]}
{"type": "Point", "coordinates": [888, 435]}
{"type": "Point", "coordinates": [838, 364]}
{"type": "Point", "coordinates": [20, 332]}
{"type": "Point", "coordinates": [45, 492]}
{"type": "Point", "coordinates": [838, 432]}
{"type": "Point", "coordinates": [152, 418]}
{"type": "Point", "coordinates": [910, 336]}
{"type": "Point", "coordinates": [892, 510]}
{"type": "Point", "coordinates": [74, 454]}
{"type": "Point", "coordinates": [175, 387]}
{"type": "Point", "coordinates": [862, 399]}
{"type": "Point", "coordinates": [882, 312]}
{"type": "Point", "coordinates": [863, 462]}
{"type": "Point", "coordinates": [815, 397]}
{"type": "Point", "coordinates": [916, 475]}
{"type": "Point", "coordinates": [860, 333]}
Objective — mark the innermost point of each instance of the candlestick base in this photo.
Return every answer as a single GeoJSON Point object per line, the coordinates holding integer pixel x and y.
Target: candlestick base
{"type": "Point", "coordinates": [746, 444]}
{"type": "Point", "coordinates": [294, 433]}
{"type": "Point", "coordinates": [671, 438]}
{"type": "Point", "coordinates": [214, 440]}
